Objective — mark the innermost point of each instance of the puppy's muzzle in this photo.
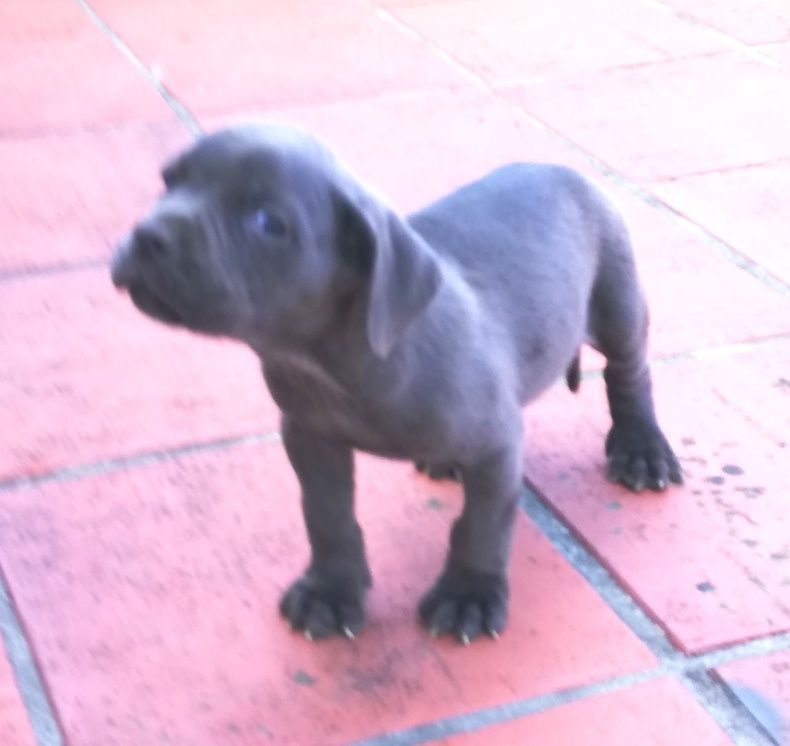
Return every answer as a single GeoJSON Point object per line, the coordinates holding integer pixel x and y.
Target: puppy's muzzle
{"type": "Point", "coordinates": [140, 245]}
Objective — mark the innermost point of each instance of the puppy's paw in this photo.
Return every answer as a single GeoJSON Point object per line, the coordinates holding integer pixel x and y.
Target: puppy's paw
{"type": "Point", "coordinates": [321, 609]}
{"type": "Point", "coordinates": [639, 456]}
{"type": "Point", "coordinates": [439, 471]}
{"type": "Point", "coordinates": [466, 604]}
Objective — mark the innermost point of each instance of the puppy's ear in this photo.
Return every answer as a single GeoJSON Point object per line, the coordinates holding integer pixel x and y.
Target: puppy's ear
{"type": "Point", "coordinates": [402, 270]}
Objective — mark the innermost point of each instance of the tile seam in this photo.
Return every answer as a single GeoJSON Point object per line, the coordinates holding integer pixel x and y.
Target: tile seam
{"type": "Point", "coordinates": [748, 48]}
{"type": "Point", "coordinates": [724, 170]}
{"type": "Point", "coordinates": [505, 712]}
{"type": "Point", "coordinates": [611, 174]}
{"type": "Point", "coordinates": [691, 671]}
{"type": "Point", "coordinates": [743, 728]}
{"type": "Point", "coordinates": [35, 697]}
{"type": "Point", "coordinates": [724, 249]}
{"type": "Point", "coordinates": [671, 661]}
{"type": "Point", "coordinates": [172, 101]}
{"type": "Point", "coordinates": [191, 119]}
{"type": "Point", "coordinates": [21, 274]}
{"type": "Point", "coordinates": [733, 717]}
{"type": "Point", "coordinates": [136, 460]}
{"type": "Point", "coordinates": [67, 130]}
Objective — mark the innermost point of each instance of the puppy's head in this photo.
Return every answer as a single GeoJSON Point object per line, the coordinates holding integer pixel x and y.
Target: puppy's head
{"type": "Point", "coordinates": [261, 235]}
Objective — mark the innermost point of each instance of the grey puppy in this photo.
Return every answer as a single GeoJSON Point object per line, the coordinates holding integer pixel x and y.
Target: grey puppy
{"type": "Point", "coordinates": [417, 338]}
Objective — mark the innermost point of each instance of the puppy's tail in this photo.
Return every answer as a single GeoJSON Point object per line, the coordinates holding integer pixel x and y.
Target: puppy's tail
{"type": "Point", "coordinates": [573, 375]}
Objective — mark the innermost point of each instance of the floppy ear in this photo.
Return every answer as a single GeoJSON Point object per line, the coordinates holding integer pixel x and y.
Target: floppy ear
{"type": "Point", "coordinates": [403, 271]}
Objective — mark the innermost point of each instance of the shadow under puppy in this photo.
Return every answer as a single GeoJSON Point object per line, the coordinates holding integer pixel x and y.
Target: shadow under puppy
{"type": "Point", "coordinates": [413, 338]}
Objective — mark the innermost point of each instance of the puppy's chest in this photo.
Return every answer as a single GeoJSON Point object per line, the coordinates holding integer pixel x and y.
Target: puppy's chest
{"type": "Point", "coordinates": [337, 409]}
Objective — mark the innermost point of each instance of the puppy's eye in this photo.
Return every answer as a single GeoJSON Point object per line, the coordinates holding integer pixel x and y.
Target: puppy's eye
{"type": "Point", "coordinates": [265, 222]}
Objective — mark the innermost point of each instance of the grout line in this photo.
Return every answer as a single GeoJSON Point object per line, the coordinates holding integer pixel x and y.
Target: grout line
{"type": "Point", "coordinates": [77, 129]}
{"type": "Point", "coordinates": [103, 466]}
{"type": "Point", "coordinates": [729, 252]}
{"type": "Point", "coordinates": [714, 352]}
{"type": "Point", "coordinates": [151, 76]}
{"type": "Point", "coordinates": [28, 273]}
{"type": "Point", "coordinates": [488, 716]}
{"type": "Point", "coordinates": [777, 643]}
{"type": "Point", "coordinates": [752, 165]}
{"type": "Point", "coordinates": [741, 46]}
{"type": "Point", "coordinates": [767, 712]}
{"type": "Point", "coordinates": [623, 604]}
{"type": "Point", "coordinates": [735, 719]}
{"type": "Point", "coordinates": [387, 16]}
{"type": "Point", "coordinates": [610, 173]}
{"type": "Point", "coordinates": [732, 716]}
{"type": "Point", "coordinates": [568, 76]}
{"type": "Point", "coordinates": [29, 681]}
{"type": "Point", "coordinates": [619, 600]}
{"type": "Point", "coordinates": [732, 254]}
{"type": "Point", "coordinates": [107, 466]}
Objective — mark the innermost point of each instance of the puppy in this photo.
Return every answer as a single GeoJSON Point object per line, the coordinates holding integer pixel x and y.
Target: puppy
{"type": "Point", "coordinates": [417, 338]}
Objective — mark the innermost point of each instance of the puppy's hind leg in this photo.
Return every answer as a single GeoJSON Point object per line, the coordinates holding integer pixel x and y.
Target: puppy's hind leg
{"type": "Point", "coordinates": [638, 454]}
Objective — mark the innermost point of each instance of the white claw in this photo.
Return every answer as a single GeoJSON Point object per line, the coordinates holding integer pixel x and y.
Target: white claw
{"type": "Point", "coordinates": [661, 484]}
{"type": "Point", "coordinates": [348, 633]}
{"type": "Point", "coordinates": [308, 635]}
{"type": "Point", "coordinates": [494, 634]}
{"type": "Point", "coordinates": [465, 638]}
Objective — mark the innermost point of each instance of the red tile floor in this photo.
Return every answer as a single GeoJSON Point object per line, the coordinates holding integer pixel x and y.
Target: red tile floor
{"type": "Point", "coordinates": [148, 517]}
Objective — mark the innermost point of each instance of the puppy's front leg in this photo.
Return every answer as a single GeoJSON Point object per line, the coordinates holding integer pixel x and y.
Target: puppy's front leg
{"type": "Point", "coordinates": [329, 597]}
{"type": "Point", "coordinates": [471, 595]}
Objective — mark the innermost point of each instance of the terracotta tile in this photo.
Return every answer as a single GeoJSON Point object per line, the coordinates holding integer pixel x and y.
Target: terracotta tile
{"type": "Point", "coordinates": [60, 70]}
{"type": "Point", "coordinates": [509, 41]}
{"type": "Point", "coordinates": [745, 207]}
{"type": "Point", "coordinates": [14, 725]}
{"type": "Point", "coordinates": [752, 22]}
{"type": "Point", "coordinates": [69, 198]}
{"type": "Point", "coordinates": [151, 599]}
{"type": "Point", "coordinates": [690, 286]}
{"type": "Point", "coordinates": [44, 20]}
{"type": "Point", "coordinates": [709, 561]}
{"type": "Point", "coordinates": [671, 118]}
{"type": "Point", "coordinates": [85, 376]}
{"type": "Point", "coordinates": [442, 140]}
{"type": "Point", "coordinates": [654, 714]}
{"type": "Point", "coordinates": [232, 55]}
{"type": "Point", "coordinates": [763, 685]}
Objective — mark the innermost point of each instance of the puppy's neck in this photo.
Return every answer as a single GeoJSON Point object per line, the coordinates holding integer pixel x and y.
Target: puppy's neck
{"type": "Point", "coordinates": [325, 330]}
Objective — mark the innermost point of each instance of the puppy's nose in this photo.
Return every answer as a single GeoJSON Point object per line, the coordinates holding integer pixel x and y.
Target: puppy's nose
{"type": "Point", "coordinates": [139, 245]}
{"type": "Point", "coordinates": [122, 264]}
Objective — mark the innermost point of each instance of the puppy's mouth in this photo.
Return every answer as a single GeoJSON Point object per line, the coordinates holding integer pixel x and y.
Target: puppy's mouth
{"type": "Point", "coordinates": [153, 304]}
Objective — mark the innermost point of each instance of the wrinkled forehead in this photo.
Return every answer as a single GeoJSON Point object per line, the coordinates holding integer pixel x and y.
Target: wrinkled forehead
{"type": "Point", "coordinates": [255, 157]}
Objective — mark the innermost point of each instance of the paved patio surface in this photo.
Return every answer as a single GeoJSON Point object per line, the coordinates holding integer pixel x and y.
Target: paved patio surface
{"type": "Point", "coordinates": [148, 517]}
